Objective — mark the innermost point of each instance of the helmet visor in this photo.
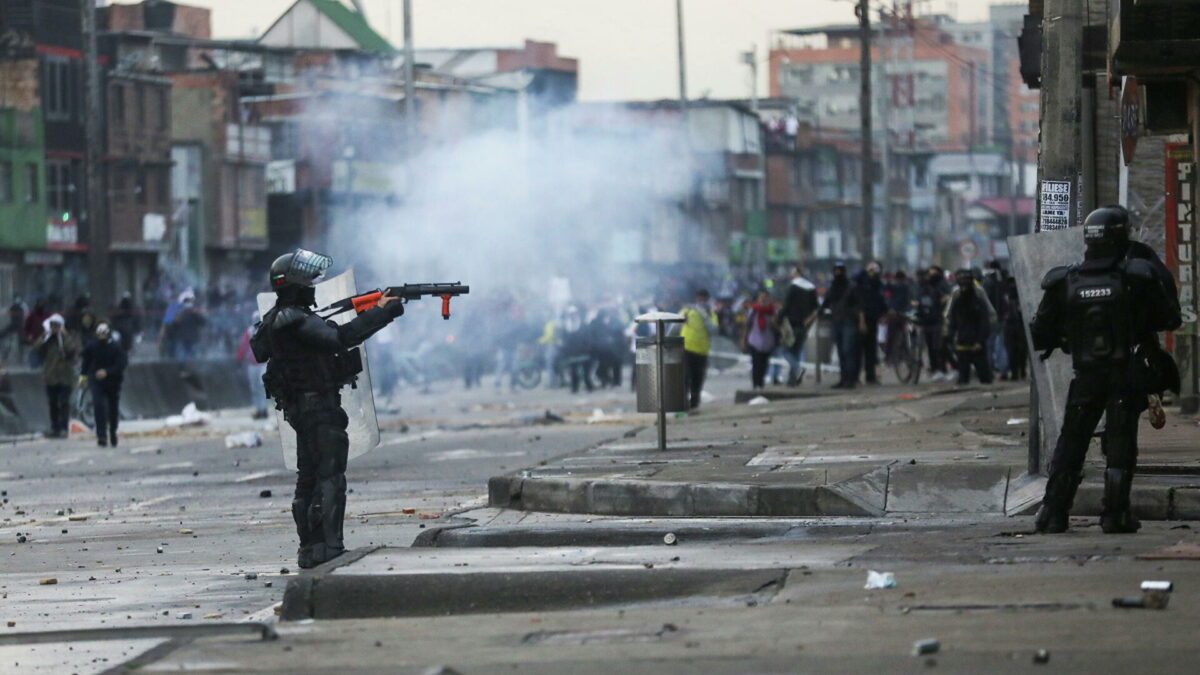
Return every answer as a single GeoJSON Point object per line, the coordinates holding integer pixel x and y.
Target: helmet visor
{"type": "Point", "coordinates": [308, 267]}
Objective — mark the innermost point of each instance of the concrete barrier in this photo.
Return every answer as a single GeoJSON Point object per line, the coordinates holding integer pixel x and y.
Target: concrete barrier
{"type": "Point", "coordinates": [151, 389]}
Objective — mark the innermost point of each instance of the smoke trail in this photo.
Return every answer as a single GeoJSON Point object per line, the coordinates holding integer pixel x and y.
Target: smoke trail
{"type": "Point", "coordinates": [595, 196]}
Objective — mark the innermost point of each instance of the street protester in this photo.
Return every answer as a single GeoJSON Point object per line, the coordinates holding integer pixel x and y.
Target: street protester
{"type": "Point", "coordinates": [843, 309]}
{"type": "Point", "coordinates": [699, 321]}
{"type": "Point", "coordinates": [309, 360]}
{"type": "Point", "coordinates": [800, 307]}
{"type": "Point", "coordinates": [758, 338]}
{"type": "Point", "coordinates": [1014, 331]}
{"type": "Point", "coordinates": [57, 350]}
{"type": "Point", "coordinates": [253, 370]}
{"type": "Point", "coordinates": [874, 306]}
{"type": "Point", "coordinates": [103, 369]}
{"type": "Point", "coordinates": [968, 326]}
{"type": "Point", "coordinates": [899, 295]}
{"type": "Point", "coordinates": [1104, 312]}
{"type": "Point", "coordinates": [932, 297]}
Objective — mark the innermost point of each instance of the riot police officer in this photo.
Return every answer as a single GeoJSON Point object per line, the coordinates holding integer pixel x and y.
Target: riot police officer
{"type": "Point", "coordinates": [1104, 312]}
{"type": "Point", "coordinates": [309, 360]}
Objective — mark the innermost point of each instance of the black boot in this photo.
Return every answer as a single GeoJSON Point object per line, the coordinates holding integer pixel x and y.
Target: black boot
{"type": "Point", "coordinates": [1054, 515]}
{"type": "Point", "coordinates": [112, 438]}
{"type": "Point", "coordinates": [1117, 517]}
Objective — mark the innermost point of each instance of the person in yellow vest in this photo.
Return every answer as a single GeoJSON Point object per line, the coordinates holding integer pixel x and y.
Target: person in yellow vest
{"type": "Point", "coordinates": [699, 320]}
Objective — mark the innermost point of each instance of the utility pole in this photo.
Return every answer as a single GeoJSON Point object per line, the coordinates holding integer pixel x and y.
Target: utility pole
{"type": "Point", "coordinates": [885, 154]}
{"type": "Point", "coordinates": [410, 103]}
{"type": "Point", "coordinates": [864, 108]}
{"type": "Point", "coordinates": [100, 272]}
{"type": "Point", "coordinates": [682, 63]}
{"type": "Point", "coordinates": [1059, 151]}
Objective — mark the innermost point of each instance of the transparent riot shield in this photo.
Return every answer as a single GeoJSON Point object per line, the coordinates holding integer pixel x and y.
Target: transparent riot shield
{"type": "Point", "coordinates": [358, 401]}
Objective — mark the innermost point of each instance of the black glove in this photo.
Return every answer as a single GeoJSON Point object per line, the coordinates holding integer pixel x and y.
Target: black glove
{"type": "Point", "coordinates": [395, 308]}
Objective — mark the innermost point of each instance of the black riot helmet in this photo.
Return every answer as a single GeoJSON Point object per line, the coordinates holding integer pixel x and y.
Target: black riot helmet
{"type": "Point", "coordinates": [1106, 230]}
{"type": "Point", "coordinates": [298, 268]}
{"type": "Point", "coordinates": [293, 275]}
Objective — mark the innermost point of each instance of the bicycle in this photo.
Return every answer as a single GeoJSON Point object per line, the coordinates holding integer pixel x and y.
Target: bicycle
{"type": "Point", "coordinates": [907, 352]}
{"type": "Point", "coordinates": [527, 371]}
{"type": "Point", "coordinates": [82, 407]}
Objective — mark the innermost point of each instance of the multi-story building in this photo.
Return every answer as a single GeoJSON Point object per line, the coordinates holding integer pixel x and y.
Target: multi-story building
{"type": "Point", "coordinates": [137, 160]}
{"type": "Point", "coordinates": [681, 189]}
{"type": "Point", "coordinates": [930, 89]}
{"type": "Point", "coordinates": [43, 232]}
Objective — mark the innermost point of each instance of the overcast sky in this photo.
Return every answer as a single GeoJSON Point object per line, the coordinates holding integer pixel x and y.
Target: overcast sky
{"type": "Point", "coordinates": [626, 48]}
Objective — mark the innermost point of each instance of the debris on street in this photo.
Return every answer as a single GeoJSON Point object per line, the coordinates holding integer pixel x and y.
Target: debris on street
{"type": "Point", "coordinates": [880, 580]}
{"type": "Point", "coordinates": [189, 417]}
{"type": "Point", "coordinates": [926, 646]}
{"type": "Point", "coordinates": [244, 439]}
{"type": "Point", "coordinates": [1041, 656]}
{"type": "Point", "coordinates": [48, 582]}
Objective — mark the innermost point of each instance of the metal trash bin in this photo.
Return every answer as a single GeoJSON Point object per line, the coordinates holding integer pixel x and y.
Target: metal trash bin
{"type": "Point", "coordinates": [646, 365]}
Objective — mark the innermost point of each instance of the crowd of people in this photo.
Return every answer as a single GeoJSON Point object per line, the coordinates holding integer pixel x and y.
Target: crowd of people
{"type": "Point", "coordinates": [970, 322]}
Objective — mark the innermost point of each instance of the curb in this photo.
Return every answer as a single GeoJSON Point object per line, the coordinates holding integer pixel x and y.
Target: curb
{"type": "Point", "coordinates": [297, 597]}
{"type": "Point", "coordinates": [361, 596]}
{"type": "Point", "coordinates": [589, 535]}
{"type": "Point", "coordinates": [870, 495]}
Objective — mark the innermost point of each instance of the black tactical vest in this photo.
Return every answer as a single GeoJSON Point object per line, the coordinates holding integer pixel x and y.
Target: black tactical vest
{"type": "Point", "coordinates": [293, 368]}
{"type": "Point", "coordinates": [1099, 318]}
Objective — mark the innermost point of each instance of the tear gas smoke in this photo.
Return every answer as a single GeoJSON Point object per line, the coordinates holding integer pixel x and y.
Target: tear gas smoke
{"type": "Point", "coordinates": [595, 196]}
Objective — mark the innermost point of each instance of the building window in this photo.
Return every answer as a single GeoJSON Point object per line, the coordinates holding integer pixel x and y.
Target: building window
{"type": "Point", "coordinates": [140, 98]}
{"type": "Point", "coordinates": [164, 118]}
{"type": "Point", "coordinates": [6, 181]}
{"type": "Point", "coordinates": [31, 182]}
{"type": "Point", "coordinates": [162, 194]}
{"type": "Point", "coordinates": [118, 104]}
{"type": "Point", "coordinates": [58, 87]}
{"type": "Point", "coordinates": [139, 188]}
{"type": "Point", "coordinates": [59, 186]}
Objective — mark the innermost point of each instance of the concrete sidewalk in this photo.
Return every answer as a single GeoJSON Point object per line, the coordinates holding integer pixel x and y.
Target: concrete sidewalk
{"type": "Point", "coordinates": [878, 451]}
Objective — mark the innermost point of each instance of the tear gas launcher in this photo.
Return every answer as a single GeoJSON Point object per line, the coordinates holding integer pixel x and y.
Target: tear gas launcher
{"type": "Point", "coordinates": [364, 301]}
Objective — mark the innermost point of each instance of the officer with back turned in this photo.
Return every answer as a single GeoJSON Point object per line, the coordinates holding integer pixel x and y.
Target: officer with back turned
{"type": "Point", "coordinates": [309, 360]}
{"type": "Point", "coordinates": [1105, 312]}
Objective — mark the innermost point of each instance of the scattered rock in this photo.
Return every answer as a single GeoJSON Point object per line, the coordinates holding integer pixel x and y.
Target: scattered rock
{"type": "Point", "coordinates": [77, 518]}
{"type": "Point", "coordinates": [48, 582]}
{"type": "Point", "coordinates": [268, 584]}
{"type": "Point", "coordinates": [184, 531]}
{"type": "Point", "coordinates": [214, 615]}
{"type": "Point", "coordinates": [1041, 656]}
{"type": "Point", "coordinates": [408, 511]}
{"type": "Point", "coordinates": [10, 624]}
{"type": "Point", "coordinates": [926, 646]}
{"type": "Point", "coordinates": [284, 570]}
{"type": "Point", "coordinates": [265, 494]}
{"type": "Point", "coordinates": [251, 576]}
{"type": "Point", "coordinates": [183, 615]}
{"type": "Point", "coordinates": [21, 539]}
{"type": "Point", "coordinates": [158, 550]}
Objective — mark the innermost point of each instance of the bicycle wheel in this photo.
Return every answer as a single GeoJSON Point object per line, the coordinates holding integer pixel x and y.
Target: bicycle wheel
{"type": "Point", "coordinates": [529, 377]}
{"type": "Point", "coordinates": [82, 407]}
{"type": "Point", "coordinates": [902, 358]}
{"type": "Point", "coordinates": [917, 355]}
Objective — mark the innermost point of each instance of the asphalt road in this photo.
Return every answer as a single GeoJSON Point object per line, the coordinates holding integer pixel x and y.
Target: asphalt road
{"type": "Point", "coordinates": [172, 528]}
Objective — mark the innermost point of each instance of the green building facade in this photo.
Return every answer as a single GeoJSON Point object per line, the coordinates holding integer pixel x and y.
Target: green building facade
{"type": "Point", "coordinates": [22, 182]}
